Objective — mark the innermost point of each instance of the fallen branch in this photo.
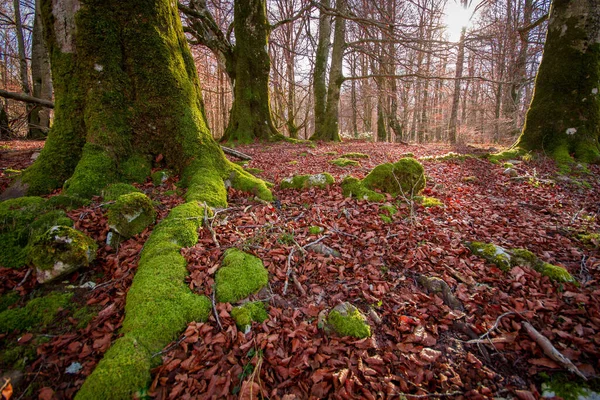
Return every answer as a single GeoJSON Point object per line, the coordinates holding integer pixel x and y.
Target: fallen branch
{"type": "Point", "coordinates": [289, 270]}
{"type": "Point", "coordinates": [208, 225]}
{"type": "Point", "coordinates": [235, 153]}
{"type": "Point", "coordinates": [24, 278]}
{"type": "Point", "coordinates": [551, 351]}
{"type": "Point", "coordinates": [214, 307]}
{"type": "Point", "coordinates": [26, 98]}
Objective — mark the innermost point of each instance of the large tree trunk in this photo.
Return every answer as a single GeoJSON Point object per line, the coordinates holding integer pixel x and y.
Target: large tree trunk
{"type": "Point", "coordinates": [251, 113]}
{"type": "Point", "coordinates": [320, 71]}
{"type": "Point", "coordinates": [23, 70]}
{"type": "Point", "coordinates": [564, 116]}
{"type": "Point", "coordinates": [460, 57]}
{"type": "Point", "coordinates": [330, 128]}
{"type": "Point", "coordinates": [39, 118]}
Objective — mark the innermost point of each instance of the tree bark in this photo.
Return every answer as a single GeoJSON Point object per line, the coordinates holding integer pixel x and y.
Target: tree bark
{"type": "Point", "coordinates": [23, 70]}
{"type": "Point", "coordinates": [460, 57]}
{"type": "Point", "coordinates": [5, 130]}
{"type": "Point", "coordinates": [563, 119]}
{"type": "Point", "coordinates": [320, 71]}
{"type": "Point", "coordinates": [39, 118]}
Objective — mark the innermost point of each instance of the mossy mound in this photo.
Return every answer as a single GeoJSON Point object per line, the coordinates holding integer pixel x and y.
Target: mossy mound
{"type": "Point", "coordinates": [131, 214]}
{"type": "Point", "coordinates": [59, 251]}
{"type": "Point", "coordinates": [38, 312]}
{"type": "Point", "coordinates": [590, 239]}
{"type": "Point", "coordinates": [344, 162]}
{"type": "Point", "coordinates": [353, 187]}
{"type": "Point", "coordinates": [241, 274]}
{"type": "Point", "coordinates": [321, 180]}
{"type": "Point", "coordinates": [406, 176]}
{"type": "Point", "coordinates": [66, 202]}
{"type": "Point", "coordinates": [315, 230]}
{"type": "Point", "coordinates": [427, 202]}
{"type": "Point", "coordinates": [511, 154]}
{"type": "Point", "coordinates": [21, 221]}
{"type": "Point", "coordinates": [245, 314]}
{"type": "Point", "coordinates": [160, 177]}
{"type": "Point", "coordinates": [506, 259]}
{"type": "Point", "coordinates": [346, 320]}
{"type": "Point", "coordinates": [354, 156]}
{"type": "Point", "coordinates": [116, 190]}
{"type": "Point", "coordinates": [136, 169]}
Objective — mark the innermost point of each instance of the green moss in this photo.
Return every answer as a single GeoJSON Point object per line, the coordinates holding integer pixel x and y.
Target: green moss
{"type": "Point", "coordinates": [67, 202]}
{"type": "Point", "coordinates": [241, 163]}
{"type": "Point", "coordinates": [15, 356]}
{"type": "Point", "coordinates": [246, 182]}
{"type": "Point", "coordinates": [430, 202]}
{"type": "Point", "coordinates": [403, 177]}
{"type": "Point", "coordinates": [354, 155]}
{"type": "Point", "coordinates": [348, 321]}
{"type": "Point", "coordinates": [245, 314]}
{"type": "Point", "coordinates": [511, 154]}
{"type": "Point", "coordinates": [389, 209]}
{"type": "Point", "coordinates": [315, 230]}
{"type": "Point", "coordinates": [131, 214]}
{"type": "Point", "coordinates": [385, 218]}
{"type": "Point", "coordinates": [554, 272]}
{"type": "Point", "coordinates": [84, 316]}
{"type": "Point", "coordinates": [159, 177]}
{"type": "Point", "coordinates": [321, 180]}
{"type": "Point", "coordinates": [116, 190]}
{"type": "Point", "coordinates": [8, 299]}
{"type": "Point", "coordinates": [293, 162]}
{"type": "Point", "coordinates": [94, 172]}
{"type": "Point", "coordinates": [523, 257]}
{"type": "Point", "coordinates": [569, 387]}
{"type": "Point", "coordinates": [331, 153]}
{"type": "Point", "coordinates": [240, 275]}
{"type": "Point", "coordinates": [62, 244]}
{"type": "Point", "coordinates": [508, 165]}
{"type": "Point", "coordinates": [590, 239]}
{"type": "Point", "coordinates": [254, 171]}
{"type": "Point", "coordinates": [344, 162]}
{"type": "Point", "coordinates": [492, 253]}
{"type": "Point", "coordinates": [38, 312]}
{"type": "Point", "coordinates": [136, 168]}
{"type": "Point", "coordinates": [353, 187]}
{"type": "Point", "coordinates": [449, 157]}
{"type": "Point", "coordinates": [205, 185]}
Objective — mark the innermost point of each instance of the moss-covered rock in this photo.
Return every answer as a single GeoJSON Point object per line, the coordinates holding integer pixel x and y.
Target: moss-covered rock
{"type": "Point", "coordinates": [116, 190]}
{"type": "Point", "coordinates": [321, 180]}
{"type": "Point", "coordinates": [347, 320]}
{"type": "Point", "coordinates": [354, 156]}
{"type": "Point", "coordinates": [37, 312]}
{"type": "Point", "coordinates": [406, 176]}
{"type": "Point", "coordinates": [59, 251]}
{"type": "Point", "coordinates": [240, 275]}
{"type": "Point", "coordinates": [131, 214]}
{"type": "Point", "coordinates": [353, 187]}
{"type": "Point", "coordinates": [344, 162]}
{"type": "Point", "coordinates": [245, 314]}
{"type": "Point", "coordinates": [492, 253]}
{"type": "Point", "coordinates": [427, 202]}
{"type": "Point", "coordinates": [315, 230]}
{"type": "Point", "coordinates": [66, 202]}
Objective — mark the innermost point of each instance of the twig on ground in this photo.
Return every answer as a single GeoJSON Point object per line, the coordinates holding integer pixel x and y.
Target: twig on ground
{"type": "Point", "coordinates": [289, 270]}
{"type": "Point", "coordinates": [169, 348]}
{"type": "Point", "coordinates": [208, 225]}
{"type": "Point", "coordinates": [30, 383]}
{"type": "Point", "coordinates": [24, 278]}
{"type": "Point", "coordinates": [214, 307]}
{"type": "Point", "coordinates": [551, 351]}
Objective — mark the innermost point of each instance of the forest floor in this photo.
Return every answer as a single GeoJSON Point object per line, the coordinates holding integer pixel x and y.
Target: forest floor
{"type": "Point", "coordinates": [416, 348]}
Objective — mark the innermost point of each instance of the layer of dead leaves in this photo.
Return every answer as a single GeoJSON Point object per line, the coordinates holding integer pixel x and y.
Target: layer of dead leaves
{"type": "Point", "coordinates": [415, 348]}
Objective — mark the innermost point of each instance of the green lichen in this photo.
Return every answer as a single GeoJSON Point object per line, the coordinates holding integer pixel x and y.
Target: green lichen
{"type": "Point", "coordinates": [159, 177]}
{"type": "Point", "coordinates": [62, 244]}
{"type": "Point", "coordinates": [348, 321]}
{"type": "Point", "coordinates": [353, 187]}
{"type": "Point", "coordinates": [321, 180]}
{"type": "Point", "coordinates": [116, 190]}
{"type": "Point", "coordinates": [136, 168]}
{"type": "Point", "coordinates": [403, 177]}
{"type": "Point", "coordinates": [354, 156]}
{"type": "Point", "coordinates": [131, 214]}
{"type": "Point", "coordinates": [96, 170]}
{"type": "Point", "coordinates": [492, 253]}
{"type": "Point", "coordinates": [344, 162]}
{"type": "Point", "coordinates": [38, 313]}
{"type": "Point", "coordinates": [430, 202]}
{"type": "Point", "coordinates": [245, 314]}
{"type": "Point", "coordinates": [240, 275]}
{"type": "Point", "coordinates": [315, 230]}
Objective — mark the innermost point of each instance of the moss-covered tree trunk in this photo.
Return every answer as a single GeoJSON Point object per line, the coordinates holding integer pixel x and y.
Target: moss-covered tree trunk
{"type": "Point", "coordinates": [250, 117]}
{"type": "Point", "coordinates": [330, 128]}
{"type": "Point", "coordinates": [564, 116]}
{"type": "Point", "coordinates": [321, 61]}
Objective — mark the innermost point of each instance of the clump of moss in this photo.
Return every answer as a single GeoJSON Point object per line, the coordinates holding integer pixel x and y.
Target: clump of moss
{"type": "Point", "coordinates": [346, 320]}
{"type": "Point", "coordinates": [331, 153]}
{"type": "Point", "coordinates": [8, 299]}
{"type": "Point", "coordinates": [511, 154]}
{"type": "Point", "coordinates": [590, 239]}
{"type": "Point", "coordinates": [131, 214]}
{"type": "Point", "coordinates": [136, 169]}
{"type": "Point", "coordinates": [386, 219]}
{"type": "Point", "coordinates": [116, 190]}
{"type": "Point", "coordinates": [406, 176]}
{"type": "Point", "coordinates": [241, 163]}
{"type": "Point", "coordinates": [61, 250]}
{"type": "Point", "coordinates": [160, 177]}
{"type": "Point", "coordinates": [344, 162]}
{"type": "Point", "coordinates": [492, 253]}
{"type": "Point", "coordinates": [245, 314]}
{"type": "Point", "coordinates": [246, 182]}
{"type": "Point", "coordinates": [204, 185]}
{"type": "Point", "coordinates": [315, 230]}
{"type": "Point", "coordinates": [321, 180]}
{"type": "Point", "coordinates": [84, 316]}
{"type": "Point", "coordinates": [554, 272]}
{"type": "Point", "coordinates": [568, 388]}
{"type": "Point", "coordinates": [430, 202]}
{"type": "Point", "coordinates": [353, 187]}
{"type": "Point", "coordinates": [66, 202]}
{"type": "Point", "coordinates": [240, 275]}
{"type": "Point", "coordinates": [354, 156]}
{"type": "Point", "coordinates": [254, 171]}
{"type": "Point", "coordinates": [389, 209]}
{"type": "Point", "coordinates": [293, 162]}
{"type": "Point", "coordinates": [449, 156]}
{"type": "Point", "coordinates": [38, 312]}
{"type": "Point", "coordinates": [95, 170]}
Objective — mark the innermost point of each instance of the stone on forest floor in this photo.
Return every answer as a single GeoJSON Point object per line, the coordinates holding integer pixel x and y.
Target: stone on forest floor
{"type": "Point", "coordinates": [405, 177]}
{"type": "Point", "coordinates": [131, 214]}
{"type": "Point", "coordinates": [240, 275]}
{"type": "Point", "coordinates": [321, 180]}
{"type": "Point", "coordinates": [346, 320]}
{"type": "Point", "coordinates": [60, 251]}
{"type": "Point", "coordinates": [505, 259]}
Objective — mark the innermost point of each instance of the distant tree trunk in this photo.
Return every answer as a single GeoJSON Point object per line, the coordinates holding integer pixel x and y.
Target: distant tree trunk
{"type": "Point", "coordinates": [330, 130]}
{"type": "Point", "coordinates": [24, 74]}
{"type": "Point", "coordinates": [353, 99]}
{"type": "Point", "coordinates": [250, 117]}
{"type": "Point", "coordinates": [39, 118]}
{"type": "Point", "coordinates": [367, 116]}
{"type": "Point", "coordinates": [5, 131]}
{"type": "Point", "coordinates": [499, 90]}
{"type": "Point", "coordinates": [320, 71]}
{"type": "Point", "coordinates": [452, 125]}
{"type": "Point", "coordinates": [564, 116]}
{"type": "Point", "coordinates": [381, 131]}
